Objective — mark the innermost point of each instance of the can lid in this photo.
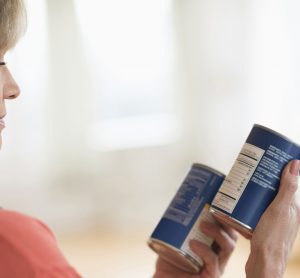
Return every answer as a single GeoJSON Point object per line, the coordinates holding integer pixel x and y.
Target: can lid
{"type": "Point", "coordinates": [203, 166]}
{"type": "Point", "coordinates": [276, 133]}
{"type": "Point", "coordinates": [175, 256]}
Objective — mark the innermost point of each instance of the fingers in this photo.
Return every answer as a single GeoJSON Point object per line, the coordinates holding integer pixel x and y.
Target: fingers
{"type": "Point", "coordinates": [226, 239]}
{"type": "Point", "coordinates": [209, 258]}
{"type": "Point", "coordinates": [289, 182]}
{"type": "Point", "coordinates": [163, 266]}
{"type": "Point", "coordinates": [231, 232]}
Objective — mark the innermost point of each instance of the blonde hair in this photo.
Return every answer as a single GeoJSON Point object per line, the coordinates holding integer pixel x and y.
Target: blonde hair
{"type": "Point", "coordinates": [12, 23]}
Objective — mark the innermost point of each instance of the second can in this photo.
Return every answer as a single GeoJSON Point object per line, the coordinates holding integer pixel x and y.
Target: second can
{"type": "Point", "coordinates": [253, 180]}
{"type": "Point", "coordinates": [180, 223]}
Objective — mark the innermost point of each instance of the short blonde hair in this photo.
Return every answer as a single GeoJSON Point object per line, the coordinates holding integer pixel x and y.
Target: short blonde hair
{"type": "Point", "coordinates": [12, 23]}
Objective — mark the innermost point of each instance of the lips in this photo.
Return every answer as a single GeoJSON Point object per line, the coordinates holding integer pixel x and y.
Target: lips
{"type": "Point", "coordinates": [2, 123]}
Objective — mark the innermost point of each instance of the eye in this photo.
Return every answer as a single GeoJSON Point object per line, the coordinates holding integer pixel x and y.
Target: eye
{"type": "Point", "coordinates": [2, 63]}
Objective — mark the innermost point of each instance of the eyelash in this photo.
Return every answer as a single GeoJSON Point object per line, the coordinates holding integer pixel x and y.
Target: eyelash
{"type": "Point", "coordinates": [2, 63]}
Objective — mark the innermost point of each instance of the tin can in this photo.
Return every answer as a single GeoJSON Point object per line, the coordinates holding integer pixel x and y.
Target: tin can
{"type": "Point", "coordinates": [254, 179]}
{"type": "Point", "coordinates": [180, 222]}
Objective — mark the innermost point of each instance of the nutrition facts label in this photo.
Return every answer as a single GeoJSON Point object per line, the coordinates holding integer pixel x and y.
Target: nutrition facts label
{"type": "Point", "coordinates": [238, 177]}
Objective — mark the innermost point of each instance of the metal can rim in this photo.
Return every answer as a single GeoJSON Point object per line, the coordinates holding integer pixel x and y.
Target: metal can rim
{"type": "Point", "coordinates": [203, 166]}
{"type": "Point", "coordinates": [192, 261]}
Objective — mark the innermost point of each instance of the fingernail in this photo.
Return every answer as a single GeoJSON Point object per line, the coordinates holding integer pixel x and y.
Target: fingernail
{"type": "Point", "coordinates": [202, 225]}
{"type": "Point", "coordinates": [193, 243]}
{"type": "Point", "coordinates": [295, 167]}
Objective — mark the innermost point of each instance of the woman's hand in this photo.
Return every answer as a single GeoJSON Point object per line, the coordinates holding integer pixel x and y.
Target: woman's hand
{"type": "Point", "coordinates": [276, 231]}
{"type": "Point", "coordinates": [214, 264]}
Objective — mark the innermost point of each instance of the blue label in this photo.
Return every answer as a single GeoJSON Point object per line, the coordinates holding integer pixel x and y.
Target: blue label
{"type": "Point", "coordinates": [198, 188]}
{"type": "Point", "coordinates": [259, 166]}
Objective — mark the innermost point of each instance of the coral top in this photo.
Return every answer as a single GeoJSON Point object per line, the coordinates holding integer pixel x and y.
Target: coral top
{"type": "Point", "coordinates": [28, 249]}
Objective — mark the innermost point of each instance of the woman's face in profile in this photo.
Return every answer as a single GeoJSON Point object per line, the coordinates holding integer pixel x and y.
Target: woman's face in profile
{"type": "Point", "coordinates": [9, 89]}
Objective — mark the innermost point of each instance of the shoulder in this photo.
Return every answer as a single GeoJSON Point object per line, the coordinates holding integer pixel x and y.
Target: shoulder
{"type": "Point", "coordinates": [9, 216]}
{"type": "Point", "coordinates": [17, 224]}
{"type": "Point", "coordinates": [24, 235]}
{"type": "Point", "coordinates": [28, 246]}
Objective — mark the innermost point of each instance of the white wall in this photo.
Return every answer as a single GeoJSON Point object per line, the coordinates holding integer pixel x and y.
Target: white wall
{"type": "Point", "coordinates": [232, 64]}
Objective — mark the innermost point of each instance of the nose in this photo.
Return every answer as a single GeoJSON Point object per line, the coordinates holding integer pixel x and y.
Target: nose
{"type": "Point", "coordinates": [11, 92]}
{"type": "Point", "coordinates": [11, 89]}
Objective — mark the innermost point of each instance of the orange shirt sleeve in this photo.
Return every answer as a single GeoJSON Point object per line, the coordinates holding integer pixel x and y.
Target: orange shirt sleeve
{"type": "Point", "coordinates": [28, 249]}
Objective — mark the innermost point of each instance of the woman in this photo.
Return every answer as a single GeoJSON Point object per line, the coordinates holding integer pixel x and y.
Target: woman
{"type": "Point", "coordinates": [28, 248]}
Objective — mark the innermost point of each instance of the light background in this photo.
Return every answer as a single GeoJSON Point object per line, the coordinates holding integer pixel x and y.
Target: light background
{"type": "Point", "coordinates": [119, 98]}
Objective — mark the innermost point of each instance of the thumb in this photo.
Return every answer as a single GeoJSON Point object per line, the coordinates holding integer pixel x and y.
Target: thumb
{"type": "Point", "coordinates": [289, 181]}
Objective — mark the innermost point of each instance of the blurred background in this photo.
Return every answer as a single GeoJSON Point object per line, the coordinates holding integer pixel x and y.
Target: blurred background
{"type": "Point", "coordinates": [119, 98]}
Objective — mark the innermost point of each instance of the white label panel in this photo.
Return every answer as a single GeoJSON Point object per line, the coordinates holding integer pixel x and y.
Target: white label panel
{"type": "Point", "coordinates": [238, 177]}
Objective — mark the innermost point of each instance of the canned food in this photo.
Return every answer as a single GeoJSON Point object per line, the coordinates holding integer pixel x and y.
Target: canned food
{"type": "Point", "coordinates": [180, 222]}
{"type": "Point", "coordinates": [253, 180]}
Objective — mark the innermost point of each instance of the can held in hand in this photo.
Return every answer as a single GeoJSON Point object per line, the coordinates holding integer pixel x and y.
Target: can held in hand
{"type": "Point", "coordinates": [254, 179]}
{"type": "Point", "coordinates": [180, 222]}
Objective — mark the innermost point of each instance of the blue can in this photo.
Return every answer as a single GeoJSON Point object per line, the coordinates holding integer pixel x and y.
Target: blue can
{"type": "Point", "coordinates": [254, 179]}
{"type": "Point", "coordinates": [180, 222]}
